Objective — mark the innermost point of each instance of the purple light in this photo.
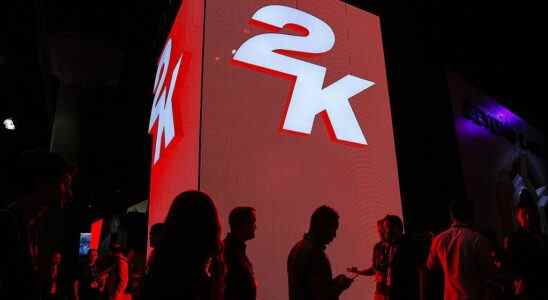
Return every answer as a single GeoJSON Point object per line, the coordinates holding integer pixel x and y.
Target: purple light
{"type": "Point", "coordinates": [469, 128]}
{"type": "Point", "coordinates": [489, 118]}
{"type": "Point", "coordinates": [502, 114]}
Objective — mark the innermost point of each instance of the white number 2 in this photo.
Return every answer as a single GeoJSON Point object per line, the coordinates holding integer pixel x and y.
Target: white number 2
{"type": "Point", "coordinates": [309, 97]}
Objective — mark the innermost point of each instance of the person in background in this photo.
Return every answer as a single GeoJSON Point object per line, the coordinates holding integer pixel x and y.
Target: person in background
{"type": "Point", "coordinates": [118, 274]}
{"type": "Point", "coordinates": [402, 276]}
{"type": "Point", "coordinates": [191, 242]}
{"type": "Point", "coordinates": [43, 182]}
{"type": "Point", "coordinates": [136, 261]}
{"type": "Point", "coordinates": [239, 280]}
{"type": "Point", "coordinates": [527, 250]}
{"type": "Point", "coordinates": [499, 286]}
{"type": "Point", "coordinates": [88, 285]}
{"type": "Point", "coordinates": [155, 236]}
{"type": "Point", "coordinates": [463, 256]}
{"type": "Point", "coordinates": [54, 280]}
{"type": "Point", "coordinates": [308, 268]}
{"type": "Point", "coordinates": [379, 265]}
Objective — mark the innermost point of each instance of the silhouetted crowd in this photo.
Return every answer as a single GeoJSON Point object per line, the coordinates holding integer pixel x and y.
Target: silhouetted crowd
{"type": "Point", "coordinates": [190, 260]}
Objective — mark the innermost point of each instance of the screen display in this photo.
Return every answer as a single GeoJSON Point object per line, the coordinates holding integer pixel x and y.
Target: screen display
{"type": "Point", "coordinates": [85, 243]}
{"type": "Point", "coordinates": [295, 114]}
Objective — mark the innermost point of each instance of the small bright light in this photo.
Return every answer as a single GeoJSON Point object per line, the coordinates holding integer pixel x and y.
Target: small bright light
{"type": "Point", "coordinates": [8, 124]}
{"type": "Point", "coordinates": [233, 51]}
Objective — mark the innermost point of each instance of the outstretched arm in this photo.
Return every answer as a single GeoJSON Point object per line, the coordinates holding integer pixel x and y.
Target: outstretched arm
{"type": "Point", "coordinates": [365, 272]}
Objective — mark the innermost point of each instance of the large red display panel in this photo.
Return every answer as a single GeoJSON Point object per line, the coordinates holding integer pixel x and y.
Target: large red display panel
{"type": "Point", "coordinates": [295, 114]}
{"type": "Point", "coordinates": [175, 116]}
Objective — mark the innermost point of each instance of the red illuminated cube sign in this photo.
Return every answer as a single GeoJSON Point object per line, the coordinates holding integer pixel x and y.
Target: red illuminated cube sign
{"type": "Point", "coordinates": [282, 106]}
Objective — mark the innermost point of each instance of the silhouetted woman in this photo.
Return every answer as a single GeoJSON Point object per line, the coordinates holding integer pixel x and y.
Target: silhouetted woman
{"type": "Point", "coordinates": [190, 244]}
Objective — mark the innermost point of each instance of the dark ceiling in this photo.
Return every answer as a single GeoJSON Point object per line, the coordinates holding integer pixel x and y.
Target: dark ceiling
{"type": "Point", "coordinates": [498, 46]}
{"type": "Point", "coordinates": [94, 61]}
{"type": "Point", "coordinates": [493, 45]}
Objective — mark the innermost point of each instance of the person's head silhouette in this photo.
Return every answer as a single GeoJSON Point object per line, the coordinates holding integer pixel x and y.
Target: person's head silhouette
{"type": "Point", "coordinates": [460, 212]}
{"type": "Point", "coordinates": [393, 227]}
{"type": "Point", "coordinates": [44, 180]}
{"type": "Point", "coordinates": [323, 225]}
{"type": "Point", "coordinates": [191, 241]}
{"type": "Point", "coordinates": [381, 230]}
{"type": "Point", "coordinates": [192, 228]}
{"type": "Point", "coordinates": [56, 258]}
{"type": "Point", "coordinates": [242, 222]}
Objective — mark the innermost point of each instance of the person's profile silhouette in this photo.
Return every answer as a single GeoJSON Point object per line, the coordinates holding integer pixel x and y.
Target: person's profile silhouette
{"type": "Point", "coordinates": [190, 242]}
{"type": "Point", "coordinates": [308, 267]}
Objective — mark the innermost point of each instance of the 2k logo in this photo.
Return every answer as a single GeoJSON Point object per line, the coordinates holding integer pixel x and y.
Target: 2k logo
{"type": "Point", "coordinates": [162, 107]}
{"type": "Point", "coordinates": [309, 97]}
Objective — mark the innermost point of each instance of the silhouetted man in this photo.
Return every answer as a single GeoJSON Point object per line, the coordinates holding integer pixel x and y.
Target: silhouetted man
{"type": "Point", "coordinates": [308, 268]}
{"type": "Point", "coordinates": [240, 280]}
{"type": "Point", "coordinates": [44, 183]}
{"type": "Point", "coordinates": [463, 256]}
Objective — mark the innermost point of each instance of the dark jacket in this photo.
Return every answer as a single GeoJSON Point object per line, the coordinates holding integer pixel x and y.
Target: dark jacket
{"type": "Point", "coordinates": [239, 279]}
{"type": "Point", "coordinates": [309, 273]}
{"type": "Point", "coordinates": [527, 259]}
{"type": "Point", "coordinates": [173, 275]}
{"type": "Point", "coordinates": [17, 276]}
{"type": "Point", "coordinates": [403, 270]}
